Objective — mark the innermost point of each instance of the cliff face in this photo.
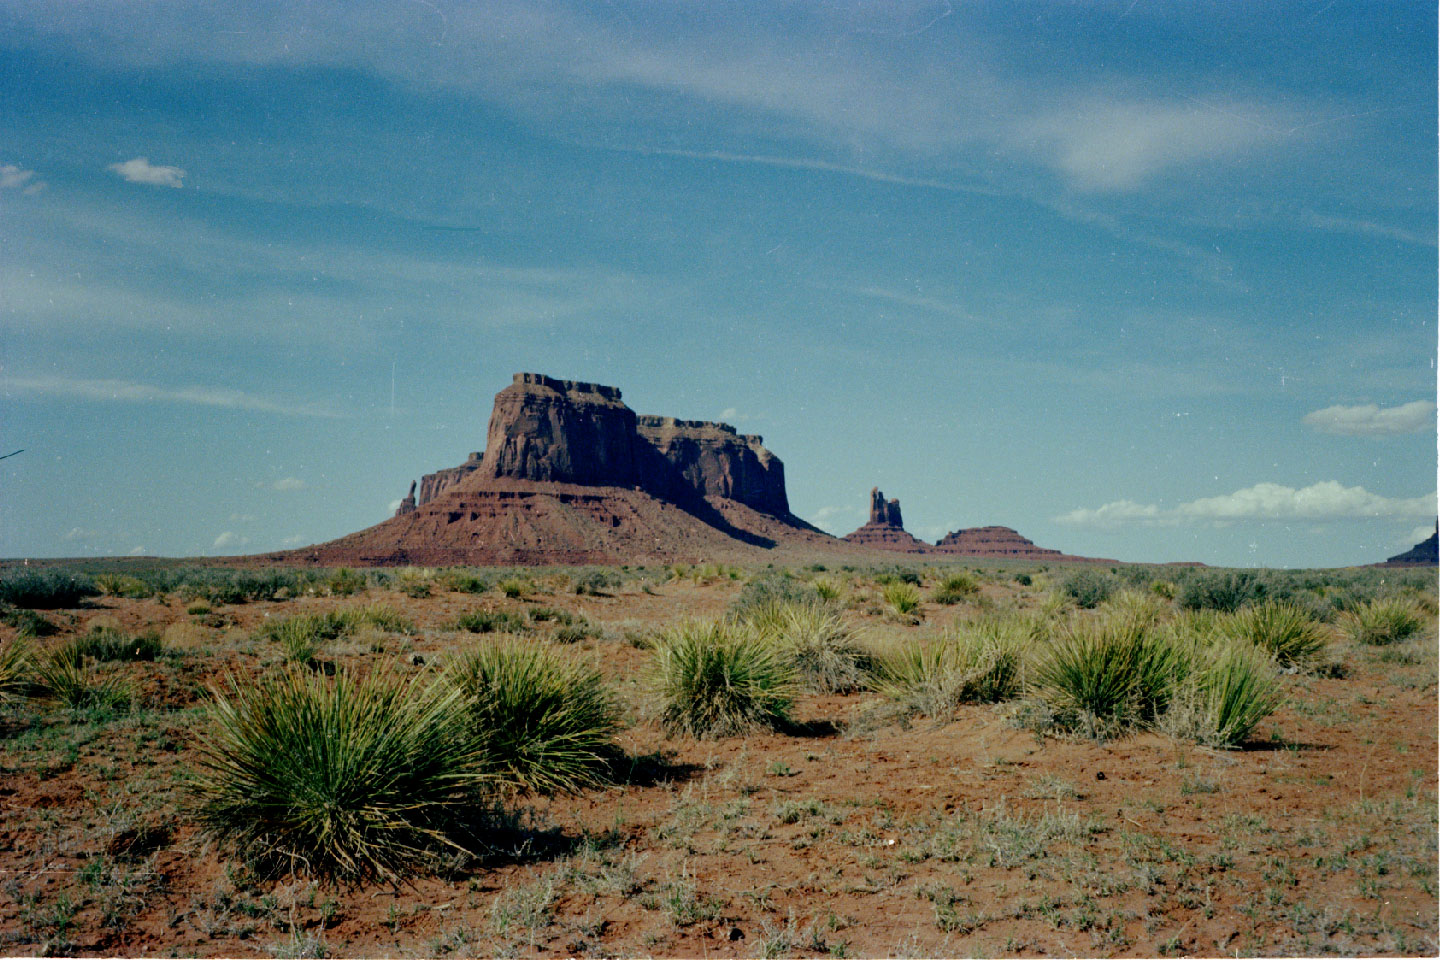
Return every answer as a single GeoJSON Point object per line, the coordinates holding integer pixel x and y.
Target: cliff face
{"type": "Point", "coordinates": [434, 484]}
{"type": "Point", "coordinates": [544, 430]}
{"type": "Point", "coordinates": [561, 431]}
{"type": "Point", "coordinates": [712, 460]}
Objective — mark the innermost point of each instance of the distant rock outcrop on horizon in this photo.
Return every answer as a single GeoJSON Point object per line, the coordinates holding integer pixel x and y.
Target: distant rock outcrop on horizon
{"type": "Point", "coordinates": [570, 474]}
{"type": "Point", "coordinates": [885, 530]}
{"type": "Point", "coordinates": [1426, 553]}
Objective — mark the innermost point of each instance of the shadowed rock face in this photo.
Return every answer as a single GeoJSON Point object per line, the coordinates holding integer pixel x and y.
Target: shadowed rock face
{"type": "Point", "coordinates": [1424, 553]}
{"type": "Point", "coordinates": [434, 484]}
{"type": "Point", "coordinates": [712, 460]}
{"type": "Point", "coordinates": [884, 512]}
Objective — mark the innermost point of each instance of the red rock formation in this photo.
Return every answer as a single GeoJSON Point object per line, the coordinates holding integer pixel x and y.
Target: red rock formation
{"type": "Point", "coordinates": [407, 505]}
{"type": "Point", "coordinates": [432, 485]}
{"type": "Point", "coordinates": [561, 431]}
{"type": "Point", "coordinates": [712, 460]}
{"type": "Point", "coordinates": [1003, 542]}
{"type": "Point", "coordinates": [885, 530]}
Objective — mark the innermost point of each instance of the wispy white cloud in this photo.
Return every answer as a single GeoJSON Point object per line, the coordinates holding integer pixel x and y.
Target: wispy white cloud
{"type": "Point", "coordinates": [292, 541]}
{"type": "Point", "coordinates": [79, 533]}
{"type": "Point", "coordinates": [837, 520]}
{"type": "Point", "coordinates": [1370, 228]}
{"type": "Point", "coordinates": [1417, 535]}
{"type": "Point", "coordinates": [1327, 500]}
{"type": "Point", "coordinates": [138, 551]}
{"type": "Point", "coordinates": [15, 177]}
{"type": "Point", "coordinates": [1112, 143]}
{"type": "Point", "coordinates": [1370, 420]}
{"type": "Point", "coordinates": [126, 391]}
{"type": "Point", "coordinates": [288, 483]}
{"type": "Point", "coordinates": [229, 539]}
{"type": "Point", "coordinates": [141, 170]}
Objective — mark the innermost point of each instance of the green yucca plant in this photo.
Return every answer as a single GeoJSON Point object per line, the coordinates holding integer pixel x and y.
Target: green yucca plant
{"type": "Point", "coordinates": [1283, 630]}
{"type": "Point", "coordinates": [903, 598]}
{"type": "Point", "coordinates": [983, 662]}
{"type": "Point", "coordinates": [826, 589]}
{"type": "Point", "coordinates": [67, 676]}
{"type": "Point", "coordinates": [514, 589]}
{"type": "Point", "coordinates": [718, 679]}
{"type": "Point", "coordinates": [955, 588]}
{"type": "Point", "coordinates": [352, 779]}
{"type": "Point", "coordinates": [1233, 687]}
{"type": "Point", "coordinates": [487, 621]}
{"type": "Point", "coordinates": [544, 723]}
{"type": "Point", "coordinates": [1382, 621]}
{"type": "Point", "coordinates": [826, 655]}
{"type": "Point", "coordinates": [14, 669]}
{"type": "Point", "coordinates": [1102, 676]}
{"type": "Point", "coordinates": [107, 644]}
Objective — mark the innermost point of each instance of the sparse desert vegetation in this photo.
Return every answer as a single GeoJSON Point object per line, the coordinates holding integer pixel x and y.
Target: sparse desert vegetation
{"type": "Point", "coordinates": [926, 759]}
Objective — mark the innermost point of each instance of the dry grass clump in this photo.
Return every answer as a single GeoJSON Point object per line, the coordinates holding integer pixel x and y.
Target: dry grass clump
{"type": "Point", "coordinates": [983, 662]}
{"type": "Point", "coordinates": [352, 779]}
{"type": "Point", "coordinates": [543, 723]}
{"type": "Point", "coordinates": [721, 679]}
{"type": "Point", "coordinates": [67, 676]}
{"type": "Point", "coordinates": [902, 598]}
{"type": "Point", "coordinates": [1233, 687]}
{"type": "Point", "coordinates": [301, 638]}
{"type": "Point", "coordinates": [825, 653]}
{"type": "Point", "coordinates": [1382, 621]}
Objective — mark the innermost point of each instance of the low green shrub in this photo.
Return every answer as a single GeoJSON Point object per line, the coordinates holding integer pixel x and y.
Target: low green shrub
{"type": "Point", "coordinates": [27, 623]}
{"type": "Point", "coordinates": [1224, 591]}
{"type": "Point", "coordinates": [955, 588]}
{"type": "Point", "coordinates": [1388, 620]}
{"type": "Point", "coordinates": [491, 621]}
{"type": "Point", "coordinates": [352, 779]}
{"type": "Point", "coordinates": [1283, 630]}
{"type": "Point", "coordinates": [462, 581]}
{"type": "Point", "coordinates": [345, 582]}
{"type": "Point", "coordinates": [824, 652]}
{"type": "Point", "coordinates": [303, 636]}
{"type": "Point", "coordinates": [514, 589]}
{"type": "Point", "coordinates": [718, 679]}
{"type": "Point", "coordinates": [121, 585]}
{"type": "Point", "coordinates": [1089, 588]}
{"type": "Point", "coordinates": [45, 589]}
{"type": "Point", "coordinates": [68, 677]}
{"type": "Point", "coordinates": [903, 598]}
{"type": "Point", "coordinates": [1233, 687]}
{"type": "Point", "coordinates": [542, 723]}
{"type": "Point", "coordinates": [107, 644]}
{"type": "Point", "coordinates": [1105, 676]}
{"type": "Point", "coordinates": [982, 662]}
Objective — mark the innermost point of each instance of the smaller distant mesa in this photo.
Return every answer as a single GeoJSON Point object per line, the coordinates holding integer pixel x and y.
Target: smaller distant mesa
{"type": "Point", "coordinates": [886, 531]}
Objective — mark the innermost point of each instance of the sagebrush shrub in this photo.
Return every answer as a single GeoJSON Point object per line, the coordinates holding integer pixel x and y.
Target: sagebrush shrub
{"type": "Point", "coordinates": [955, 588]}
{"type": "Point", "coordinates": [45, 589]}
{"type": "Point", "coordinates": [1223, 591]}
{"type": "Point", "coordinates": [1089, 588]}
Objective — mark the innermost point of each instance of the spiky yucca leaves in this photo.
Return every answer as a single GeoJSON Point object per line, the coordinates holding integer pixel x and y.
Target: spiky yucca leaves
{"type": "Point", "coordinates": [719, 679]}
{"type": "Point", "coordinates": [955, 588]}
{"type": "Point", "coordinates": [903, 598]}
{"type": "Point", "coordinates": [302, 637]}
{"type": "Point", "coordinates": [543, 723]}
{"type": "Point", "coordinates": [1232, 688]}
{"type": "Point", "coordinates": [67, 676]}
{"type": "Point", "coordinates": [14, 669]}
{"type": "Point", "coordinates": [1283, 630]}
{"type": "Point", "coordinates": [1104, 675]}
{"type": "Point", "coordinates": [1387, 620]}
{"type": "Point", "coordinates": [826, 654]}
{"type": "Point", "coordinates": [982, 662]}
{"type": "Point", "coordinates": [352, 779]}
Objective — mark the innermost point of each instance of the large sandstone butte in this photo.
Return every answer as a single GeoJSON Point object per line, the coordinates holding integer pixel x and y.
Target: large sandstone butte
{"type": "Point", "coordinates": [1426, 553]}
{"type": "Point", "coordinates": [885, 530]}
{"type": "Point", "coordinates": [570, 474]}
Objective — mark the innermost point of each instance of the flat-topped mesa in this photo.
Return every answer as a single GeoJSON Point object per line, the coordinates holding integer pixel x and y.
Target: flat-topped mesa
{"type": "Point", "coordinates": [994, 542]}
{"type": "Point", "coordinates": [546, 430]}
{"type": "Point", "coordinates": [713, 460]}
{"type": "Point", "coordinates": [1425, 553]}
{"type": "Point", "coordinates": [561, 431]}
{"type": "Point", "coordinates": [885, 530]}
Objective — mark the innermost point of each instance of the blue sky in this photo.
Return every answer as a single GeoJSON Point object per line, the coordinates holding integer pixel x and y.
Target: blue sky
{"type": "Point", "coordinates": [1151, 281]}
